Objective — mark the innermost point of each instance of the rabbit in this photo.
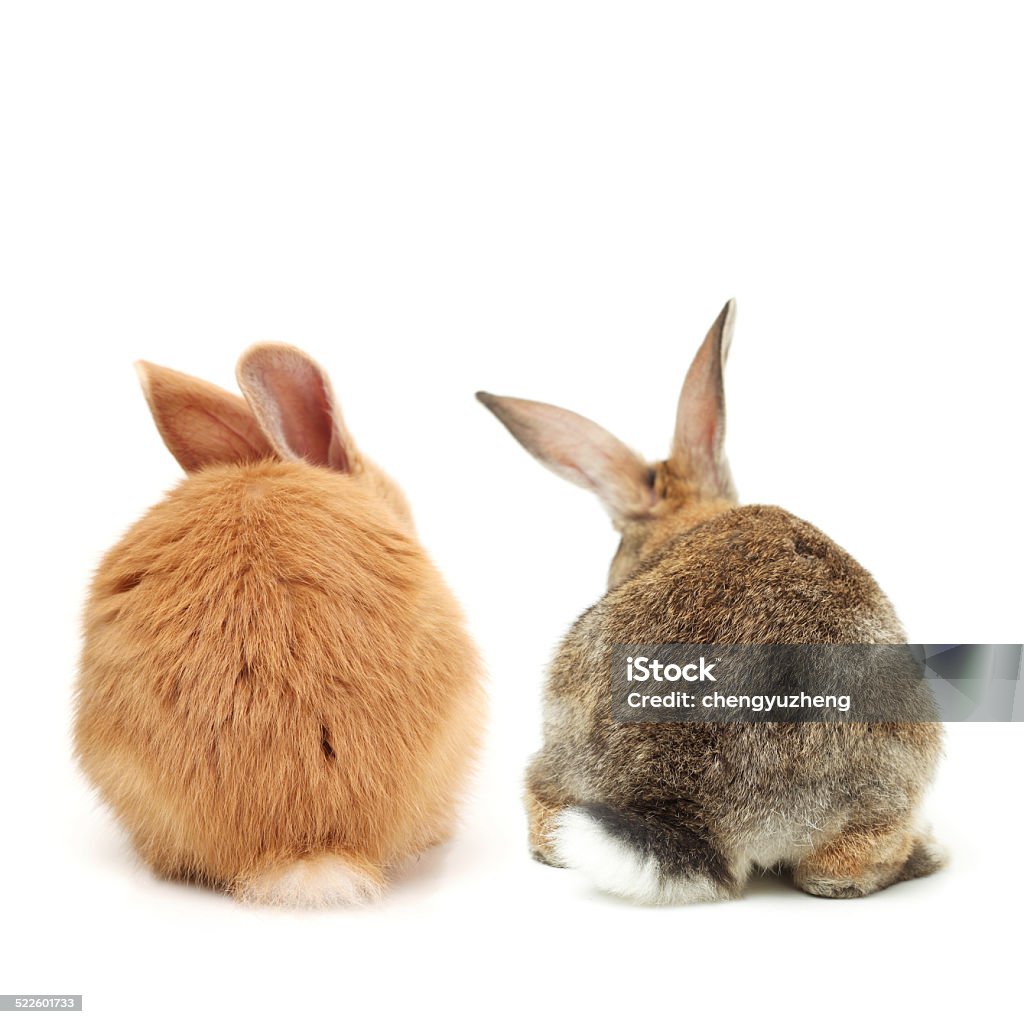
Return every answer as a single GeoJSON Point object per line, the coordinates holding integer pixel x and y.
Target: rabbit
{"type": "Point", "coordinates": [277, 694]}
{"type": "Point", "coordinates": [684, 812]}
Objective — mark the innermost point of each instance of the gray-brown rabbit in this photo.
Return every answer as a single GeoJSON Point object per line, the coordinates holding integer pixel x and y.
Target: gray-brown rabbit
{"type": "Point", "coordinates": [683, 812]}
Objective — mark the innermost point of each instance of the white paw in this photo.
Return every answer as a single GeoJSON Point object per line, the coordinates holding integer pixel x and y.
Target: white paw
{"type": "Point", "coordinates": [937, 853]}
{"type": "Point", "coordinates": [581, 842]}
{"type": "Point", "coordinates": [323, 880]}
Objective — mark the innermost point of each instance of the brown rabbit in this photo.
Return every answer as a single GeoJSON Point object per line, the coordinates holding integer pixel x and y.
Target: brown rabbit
{"type": "Point", "coordinates": [277, 694]}
{"type": "Point", "coordinates": [681, 812]}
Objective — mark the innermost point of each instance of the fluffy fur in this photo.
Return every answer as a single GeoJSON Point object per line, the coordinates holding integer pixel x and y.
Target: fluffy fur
{"type": "Point", "coordinates": [277, 694]}
{"type": "Point", "coordinates": [686, 811]}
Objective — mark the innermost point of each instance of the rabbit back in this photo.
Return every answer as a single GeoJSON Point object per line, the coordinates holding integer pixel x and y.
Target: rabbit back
{"type": "Point", "coordinates": [762, 794]}
{"type": "Point", "coordinates": [273, 666]}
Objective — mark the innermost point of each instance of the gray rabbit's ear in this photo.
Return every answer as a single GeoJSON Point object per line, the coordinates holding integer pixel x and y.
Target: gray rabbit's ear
{"type": "Point", "coordinates": [578, 450]}
{"type": "Point", "coordinates": [698, 452]}
{"type": "Point", "coordinates": [292, 400]}
{"type": "Point", "coordinates": [201, 424]}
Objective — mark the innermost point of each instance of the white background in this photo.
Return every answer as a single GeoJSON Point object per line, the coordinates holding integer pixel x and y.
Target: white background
{"type": "Point", "coordinates": [550, 200]}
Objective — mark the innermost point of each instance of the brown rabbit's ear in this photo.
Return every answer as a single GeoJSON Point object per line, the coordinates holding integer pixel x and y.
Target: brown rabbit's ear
{"type": "Point", "coordinates": [698, 445]}
{"type": "Point", "coordinates": [293, 403]}
{"type": "Point", "coordinates": [201, 424]}
{"type": "Point", "coordinates": [578, 450]}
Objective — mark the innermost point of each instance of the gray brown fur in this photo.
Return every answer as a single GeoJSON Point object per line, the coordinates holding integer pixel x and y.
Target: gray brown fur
{"type": "Point", "coordinates": [708, 803]}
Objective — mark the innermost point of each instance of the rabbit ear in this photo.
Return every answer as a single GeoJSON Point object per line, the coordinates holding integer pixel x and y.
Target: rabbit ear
{"type": "Point", "coordinates": [201, 424]}
{"type": "Point", "coordinates": [697, 447]}
{"type": "Point", "coordinates": [578, 450]}
{"type": "Point", "coordinates": [293, 403]}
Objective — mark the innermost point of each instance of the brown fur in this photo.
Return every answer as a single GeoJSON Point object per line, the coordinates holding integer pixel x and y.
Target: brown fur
{"type": "Point", "coordinates": [541, 817]}
{"type": "Point", "coordinates": [704, 804]}
{"type": "Point", "coordinates": [274, 670]}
